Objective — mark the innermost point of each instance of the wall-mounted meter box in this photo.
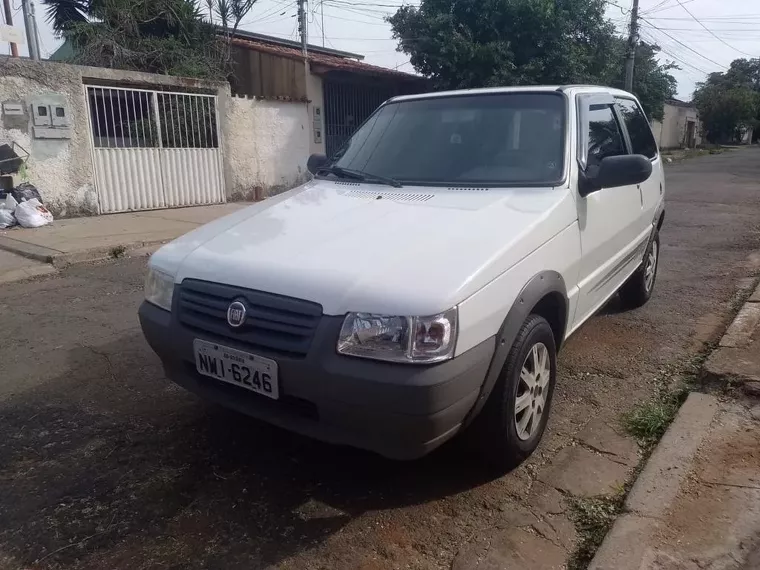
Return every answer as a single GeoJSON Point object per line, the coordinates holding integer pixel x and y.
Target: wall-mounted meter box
{"type": "Point", "coordinates": [51, 116]}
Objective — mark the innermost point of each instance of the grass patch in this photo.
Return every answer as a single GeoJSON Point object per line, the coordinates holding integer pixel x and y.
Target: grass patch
{"type": "Point", "coordinates": [648, 421]}
{"type": "Point", "coordinates": [593, 517]}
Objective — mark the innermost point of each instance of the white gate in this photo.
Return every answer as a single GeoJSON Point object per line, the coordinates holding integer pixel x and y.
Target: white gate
{"type": "Point", "coordinates": [154, 149]}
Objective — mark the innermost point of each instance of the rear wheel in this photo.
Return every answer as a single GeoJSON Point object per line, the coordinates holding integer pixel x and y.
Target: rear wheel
{"type": "Point", "coordinates": [638, 289]}
{"type": "Point", "coordinates": [511, 424]}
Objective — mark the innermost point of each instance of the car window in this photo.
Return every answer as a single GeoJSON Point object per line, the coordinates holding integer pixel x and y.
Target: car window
{"type": "Point", "coordinates": [638, 128]}
{"type": "Point", "coordinates": [604, 136]}
{"type": "Point", "coordinates": [493, 139]}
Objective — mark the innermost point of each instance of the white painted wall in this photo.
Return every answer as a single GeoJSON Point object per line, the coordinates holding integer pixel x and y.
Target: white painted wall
{"type": "Point", "coordinates": [671, 132]}
{"type": "Point", "coordinates": [266, 146]}
{"type": "Point", "coordinates": [61, 169]}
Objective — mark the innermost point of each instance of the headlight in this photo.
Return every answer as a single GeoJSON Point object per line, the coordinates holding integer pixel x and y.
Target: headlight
{"type": "Point", "coordinates": [421, 340]}
{"type": "Point", "coordinates": [159, 288]}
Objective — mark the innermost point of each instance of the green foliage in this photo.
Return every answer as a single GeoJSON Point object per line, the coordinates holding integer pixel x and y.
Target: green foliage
{"type": "Point", "coordinates": [483, 43]}
{"type": "Point", "coordinates": [157, 36]}
{"type": "Point", "coordinates": [726, 112]}
{"type": "Point", "coordinates": [478, 43]}
{"type": "Point", "coordinates": [652, 82]}
{"type": "Point", "coordinates": [729, 103]}
{"type": "Point", "coordinates": [648, 421]}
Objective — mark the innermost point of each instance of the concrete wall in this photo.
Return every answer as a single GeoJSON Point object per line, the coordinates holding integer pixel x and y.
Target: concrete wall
{"type": "Point", "coordinates": [266, 146]}
{"type": "Point", "coordinates": [317, 101]}
{"type": "Point", "coordinates": [61, 169]}
{"type": "Point", "coordinates": [671, 132]}
{"type": "Point", "coordinates": [265, 143]}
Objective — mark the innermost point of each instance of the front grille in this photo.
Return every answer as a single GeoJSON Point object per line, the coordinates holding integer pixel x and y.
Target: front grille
{"type": "Point", "coordinates": [273, 322]}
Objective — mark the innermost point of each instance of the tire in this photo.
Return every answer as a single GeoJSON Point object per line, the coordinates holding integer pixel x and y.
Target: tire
{"type": "Point", "coordinates": [638, 289]}
{"type": "Point", "coordinates": [503, 436]}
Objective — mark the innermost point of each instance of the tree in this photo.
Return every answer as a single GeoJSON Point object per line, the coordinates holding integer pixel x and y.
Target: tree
{"type": "Point", "coordinates": [652, 82]}
{"type": "Point", "coordinates": [729, 102]}
{"type": "Point", "coordinates": [482, 43]}
{"type": "Point", "coordinates": [157, 36]}
{"type": "Point", "coordinates": [726, 112]}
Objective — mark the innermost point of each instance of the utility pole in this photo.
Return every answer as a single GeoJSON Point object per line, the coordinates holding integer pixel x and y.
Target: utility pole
{"type": "Point", "coordinates": [302, 28]}
{"type": "Point", "coordinates": [9, 21]}
{"type": "Point", "coordinates": [31, 29]}
{"type": "Point", "coordinates": [630, 60]}
{"type": "Point", "coordinates": [302, 23]}
{"type": "Point", "coordinates": [322, 5]}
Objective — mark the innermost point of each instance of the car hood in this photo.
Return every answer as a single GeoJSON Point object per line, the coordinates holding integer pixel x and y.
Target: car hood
{"type": "Point", "coordinates": [370, 248]}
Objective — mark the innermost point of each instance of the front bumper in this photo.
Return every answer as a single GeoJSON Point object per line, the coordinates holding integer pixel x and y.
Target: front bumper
{"type": "Point", "coordinates": [397, 410]}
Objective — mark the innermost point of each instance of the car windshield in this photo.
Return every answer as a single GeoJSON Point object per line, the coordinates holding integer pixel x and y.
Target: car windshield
{"type": "Point", "coordinates": [505, 139]}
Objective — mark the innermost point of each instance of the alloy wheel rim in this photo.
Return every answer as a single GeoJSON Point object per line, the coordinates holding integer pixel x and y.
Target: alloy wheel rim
{"type": "Point", "coordinates": [532, 391]}
{"type": "Point", "coordinates": [651, 267]}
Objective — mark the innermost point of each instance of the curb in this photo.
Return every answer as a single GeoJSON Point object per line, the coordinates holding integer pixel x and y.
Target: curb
{"type": "Point", "coordinates": [734, 361]}
{"type": "Point", "coordinates": [60, 259]}
{"type": "Point", "coordinates": [28, 250]}
{"type": "Point", "coordinates": [656, 488]}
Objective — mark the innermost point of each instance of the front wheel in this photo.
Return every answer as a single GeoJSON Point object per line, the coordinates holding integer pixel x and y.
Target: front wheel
{"type": "Point", "coordinates": [638, 289]}
{"type": "Point", "coordinates": [511, 424]}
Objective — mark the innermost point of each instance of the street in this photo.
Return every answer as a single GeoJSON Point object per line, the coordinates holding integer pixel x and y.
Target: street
{"type": "Point", "coordinates": [106, 464]}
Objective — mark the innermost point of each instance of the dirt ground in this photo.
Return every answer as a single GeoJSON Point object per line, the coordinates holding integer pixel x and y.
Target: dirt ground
{"type": "Point", "coordinates": [714, 522]}
{"type": "Point", "coordinates": [105, 464]}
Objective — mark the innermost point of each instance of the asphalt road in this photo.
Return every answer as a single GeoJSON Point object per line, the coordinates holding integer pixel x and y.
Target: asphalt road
{"type": "Point", "coordinates": [105, 464]}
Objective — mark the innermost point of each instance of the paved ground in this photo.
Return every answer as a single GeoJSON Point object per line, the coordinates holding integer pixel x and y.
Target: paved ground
{"type": "Point", "coordinates": [104, 464]}
{"type": "Point", "coordinates": [85, 239]}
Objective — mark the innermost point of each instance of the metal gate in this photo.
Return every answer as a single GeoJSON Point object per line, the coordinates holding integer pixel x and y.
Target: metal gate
{"type": "Point", "coordinates": [154, 149]}
{"type": "Point", "coordinates": [347, 106]}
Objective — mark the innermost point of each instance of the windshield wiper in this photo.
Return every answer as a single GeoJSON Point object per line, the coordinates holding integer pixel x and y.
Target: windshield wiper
{"type": "Point", "coordinates": [361, 176]}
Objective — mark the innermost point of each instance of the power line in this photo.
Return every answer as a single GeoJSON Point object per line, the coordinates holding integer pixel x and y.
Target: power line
{"type": "Point", "coordinates": [654, 8]}
{"type": "Point", "coordinates": [675, 57]}
{"type": "Point", "coordinates": [684, 45]}
{"type": "Point", "coordinates": [664, 8]}
{"type": "Point", "coordinates": [359, 21]}
{"type": "Point", "coordinates": [708, 29]}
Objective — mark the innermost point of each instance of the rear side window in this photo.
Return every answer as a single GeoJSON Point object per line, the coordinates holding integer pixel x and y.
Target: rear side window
{"type": "Point", "coordinates": [604, 136]}
{"type": "Point", "coordinates": [638, 128]}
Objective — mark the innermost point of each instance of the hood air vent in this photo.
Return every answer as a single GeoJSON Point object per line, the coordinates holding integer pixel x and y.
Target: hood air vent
{"type": "Point", "coordinates": [395, 196]}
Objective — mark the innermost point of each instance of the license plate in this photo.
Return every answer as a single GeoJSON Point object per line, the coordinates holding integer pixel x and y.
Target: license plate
{"type": "Point", "coordinates": [243, 369]}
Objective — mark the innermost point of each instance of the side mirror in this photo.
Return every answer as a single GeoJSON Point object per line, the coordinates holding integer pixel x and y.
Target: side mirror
{"type": "Point", "coordinates": [615, 171]}
{"type": "Point", "coordinates": [315, 162]}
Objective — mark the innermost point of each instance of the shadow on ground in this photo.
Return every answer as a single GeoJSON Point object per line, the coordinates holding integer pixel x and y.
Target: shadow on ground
{"type": "Point", "coordinates": [131, 468]}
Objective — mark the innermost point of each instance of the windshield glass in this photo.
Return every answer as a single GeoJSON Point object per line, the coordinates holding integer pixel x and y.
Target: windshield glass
{"type": "Point", "coordinates": [494, 139]}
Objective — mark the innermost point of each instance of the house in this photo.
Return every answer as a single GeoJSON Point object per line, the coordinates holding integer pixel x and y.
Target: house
{"type": "Point", "coordinates": [342, 90]}
{"type": "Point", "coordinates": [680, 126]}
{"type": "Point", "coordinates": [104, 140]}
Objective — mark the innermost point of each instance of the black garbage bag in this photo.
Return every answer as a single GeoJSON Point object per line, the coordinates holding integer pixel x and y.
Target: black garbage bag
{"type": "Point", "coordinates": [26, 191]}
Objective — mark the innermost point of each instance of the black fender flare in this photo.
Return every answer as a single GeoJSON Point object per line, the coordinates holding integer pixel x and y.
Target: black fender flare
{"type": "Point", "coordinates": [539, 286]}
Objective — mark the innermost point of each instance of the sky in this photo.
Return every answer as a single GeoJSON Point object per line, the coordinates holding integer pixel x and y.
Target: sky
{"type": "Point", "coordinates": [701, 36]}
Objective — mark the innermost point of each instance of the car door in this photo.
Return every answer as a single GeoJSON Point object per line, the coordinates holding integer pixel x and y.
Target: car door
{"type": "Point", "coordinates": [609, 219]}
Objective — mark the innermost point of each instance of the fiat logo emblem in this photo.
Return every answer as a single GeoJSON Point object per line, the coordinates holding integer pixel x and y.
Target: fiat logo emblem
{"type": "Point", "coordinates": [236, 314]}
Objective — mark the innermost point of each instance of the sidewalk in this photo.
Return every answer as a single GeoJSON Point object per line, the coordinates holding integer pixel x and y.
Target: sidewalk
{"type": "Point", "coordinates": [85, 239]}
{"type": "Point", "coordinates": [696, 504]}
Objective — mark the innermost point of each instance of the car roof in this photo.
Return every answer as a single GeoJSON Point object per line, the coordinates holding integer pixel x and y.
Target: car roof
{"type": "Point", "coordinates": [570, 89]}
